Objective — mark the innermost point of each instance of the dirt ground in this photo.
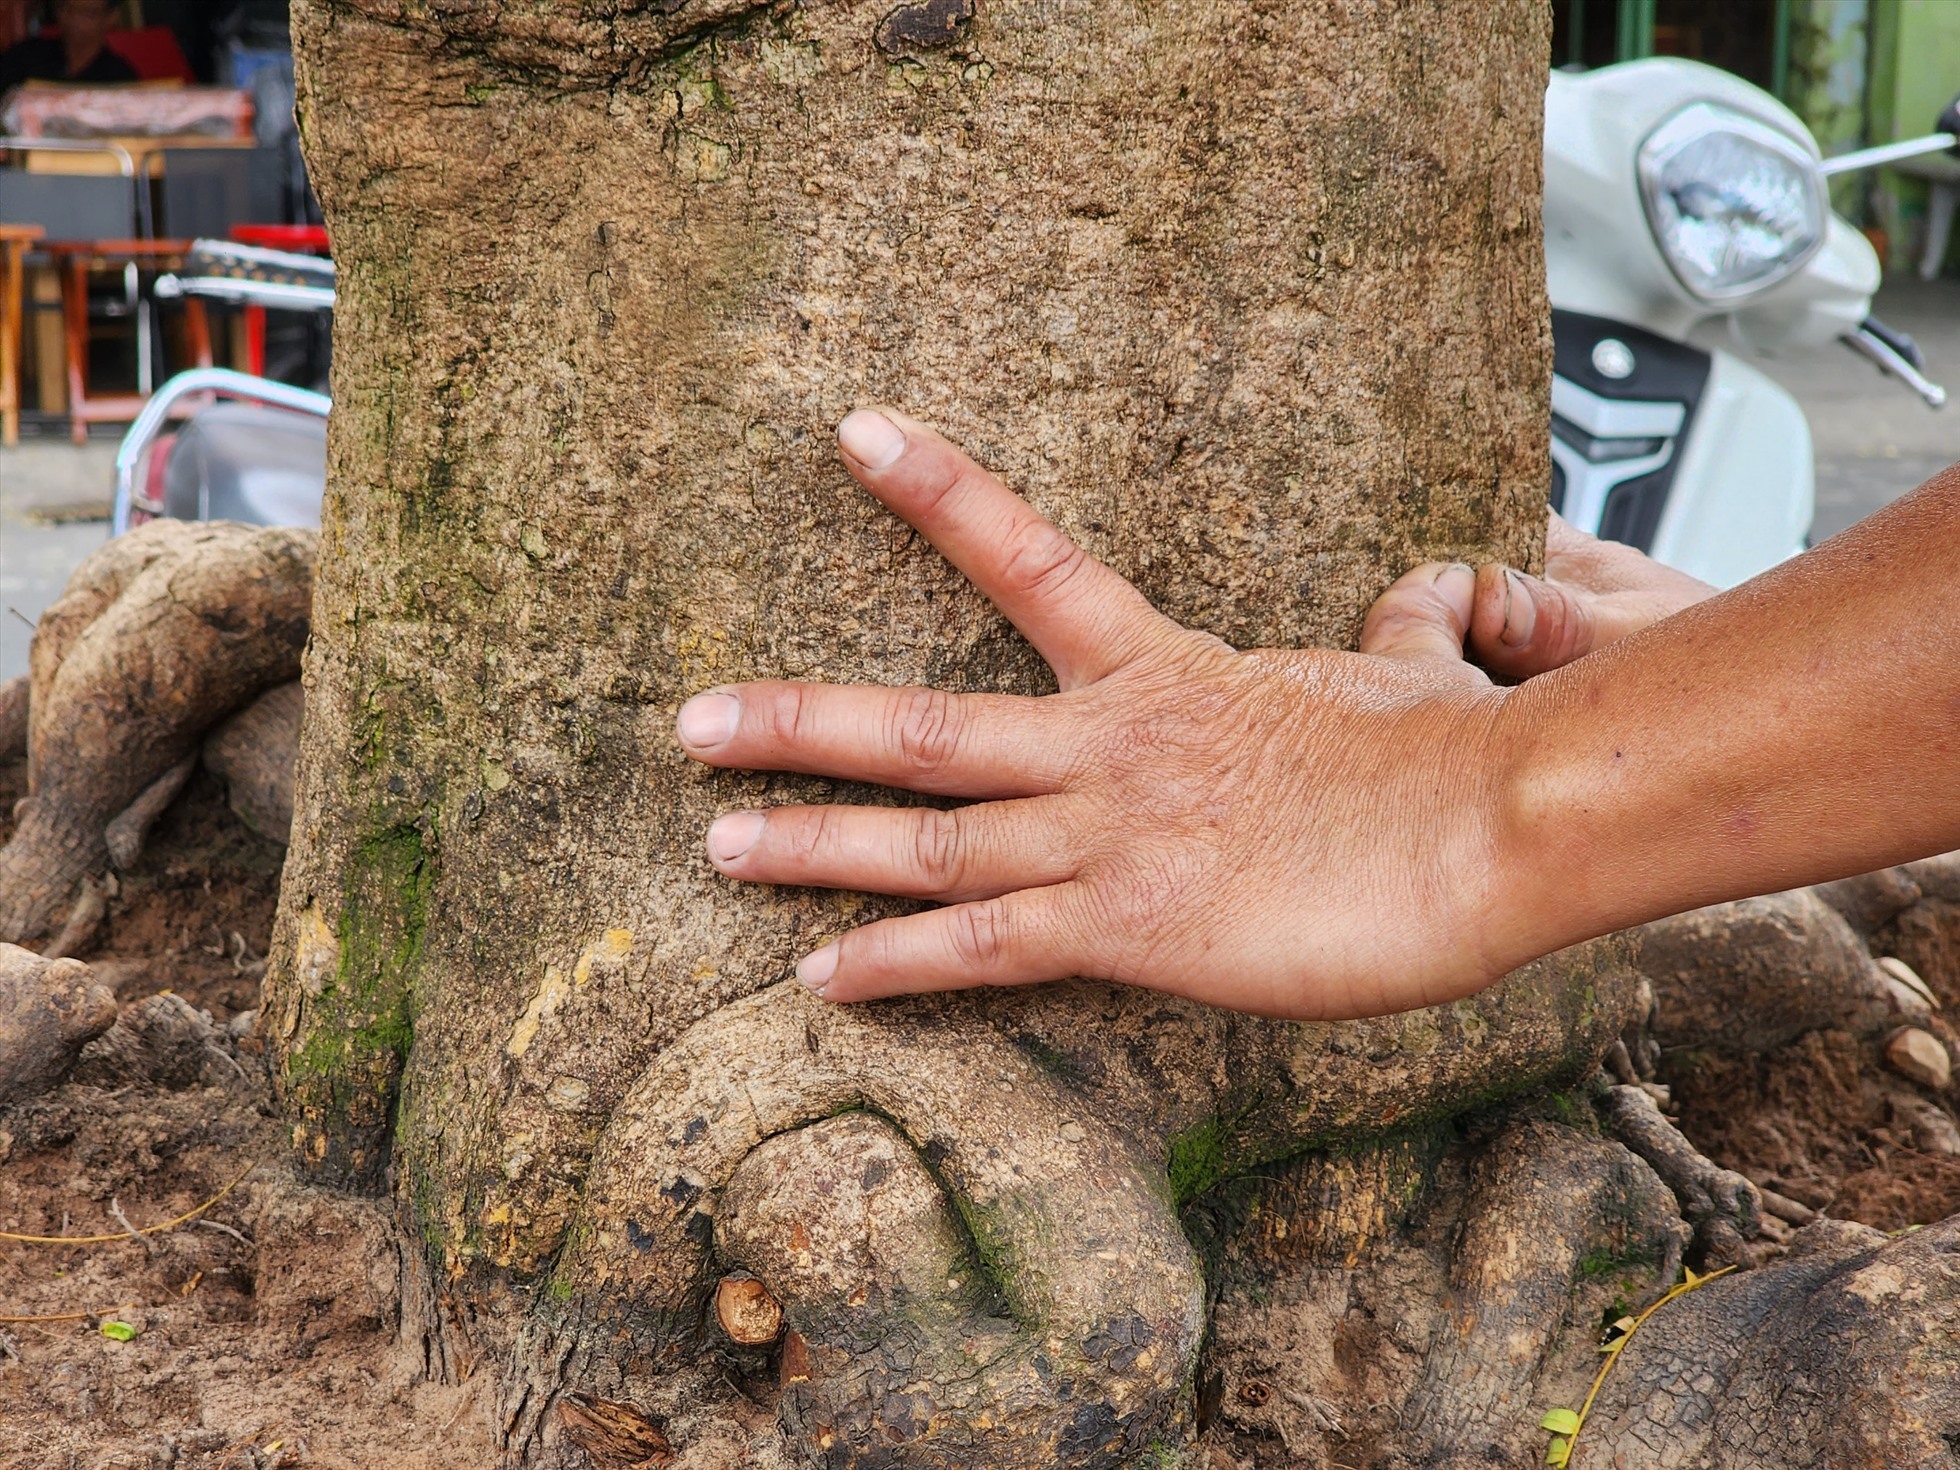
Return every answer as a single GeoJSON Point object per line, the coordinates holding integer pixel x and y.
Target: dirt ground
{"type": "Point", "coordinates": [271, 1330]}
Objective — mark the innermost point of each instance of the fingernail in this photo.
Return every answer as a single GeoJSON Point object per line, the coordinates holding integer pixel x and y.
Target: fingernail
{"type": "Point", "coordinates": [1520, 611]}
{"type": "Point", "coordinates": [1462, 579]}
{"type": "Point", "coordinates": [815, 969]}
{"type": "Point", "coordinates": [731, 836]}
{"type": "Point", "coordinates": [708, 719]}
{"type": "Point", "coordinates": [871, 439]}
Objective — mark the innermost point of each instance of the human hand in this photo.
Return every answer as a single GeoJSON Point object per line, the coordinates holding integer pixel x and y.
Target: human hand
{"type": "Point", "coordinates": [1593, 593]}
{"type": "Point", "coordinates": [1292, 832]}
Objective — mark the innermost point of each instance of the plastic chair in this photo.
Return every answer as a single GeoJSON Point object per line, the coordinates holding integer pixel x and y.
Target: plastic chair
{"type": "Point", "coordinates": [93, 223]}
{"type": "Point", "coordinates": [206, 192]}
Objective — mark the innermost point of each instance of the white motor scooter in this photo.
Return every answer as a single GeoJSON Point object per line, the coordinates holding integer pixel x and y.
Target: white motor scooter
{"type": "Point", "coordinates": [1676, 193]}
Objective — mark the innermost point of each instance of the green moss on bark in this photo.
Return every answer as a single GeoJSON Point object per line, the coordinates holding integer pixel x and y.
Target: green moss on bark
{"type": "Point", "coordinates": [344, 1071]}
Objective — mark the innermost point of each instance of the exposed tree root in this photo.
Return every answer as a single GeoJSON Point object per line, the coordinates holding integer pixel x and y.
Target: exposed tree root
{"type": "Point", "coordinates": [1074, 1234]}
{"type": "Point", "coordinates": [125, 833]}
{"type": "Point", "coordinates": [84, 921]}
{"type": "Point", "coordinates": [13, 718]}
{"type": "Point", "coordinates": [253, 753]}
{"type": "Point", "coordinates": [49, 1010]}
{"type": "Point", "coordinates": [158, 635]}
{"type": "Point", "coordinates": [976, 1214]}
{"type": "Point", "coordinates": [1722, 1206]}
{"type": "Point", "coordinates": [1755, 975]}
{"type": "Point", "coordinates": [1541, 1202]}
{"type": "Point", "coordinates": [907, 1351]}
{"type": "Point", "coordinates": [1030, 1286]}
{"type": "Point", "coordinates": [163, 1040]}
{"type": "Point", "coordinates": [1846, 1354]}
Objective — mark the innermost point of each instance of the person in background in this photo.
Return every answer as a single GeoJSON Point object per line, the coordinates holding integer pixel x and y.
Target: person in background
{"type": "Point", "coordinates": [78, 52]}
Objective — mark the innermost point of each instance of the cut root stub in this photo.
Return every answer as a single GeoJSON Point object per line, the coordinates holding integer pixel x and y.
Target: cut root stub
{"type": "Point", "coordinates": [746, 1311]}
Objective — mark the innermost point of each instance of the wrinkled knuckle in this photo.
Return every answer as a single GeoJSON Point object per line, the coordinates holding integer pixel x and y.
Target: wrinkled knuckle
{"type": "Point", "coordinates": [980, 934]}
{"type": "Point", "coordinates": [936, 849]}
{"type": "Point", "coordinates": [869, 950]}
{"type": "Point", "coordinates": [928, 730]}
{"type": "Point", "coordinates": [789, 715]}
{"type": "Point", "coordinates": [941, 479]}
{"type": "Point", "coordinates": [809, 838]}
{"type": "Point", "coordinates": [1043, 561]}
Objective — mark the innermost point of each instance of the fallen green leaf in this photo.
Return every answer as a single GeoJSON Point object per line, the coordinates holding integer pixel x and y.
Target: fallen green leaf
{"type": "Point", "coordinates": [1559, 1451]}
{"type": "Point", "coordinates": [118, 1331]}
{"type": "Point", "coordinates": [1560, 1421]}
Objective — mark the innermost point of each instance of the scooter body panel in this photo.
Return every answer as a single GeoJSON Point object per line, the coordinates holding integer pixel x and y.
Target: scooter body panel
{"type": "Point", "coordinates": [1692, 456]}
{"type": "Point", "coordinates": [1748, 460]}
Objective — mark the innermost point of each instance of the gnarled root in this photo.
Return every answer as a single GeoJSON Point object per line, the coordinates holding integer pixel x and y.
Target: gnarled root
{"type": "Point", "coordinates": [158, 635]}
{"type": "Point", "coordinates": [1842, 1354]}
{"type": "Point", "coordinates": [1443, 1344]}
{"type": "Point", "coordinates": [989, 1235]}
{"type": "Point", "coordinates": [163, 1040]}
{"type": "Point", "coordinates": [902, 1351]}
{"type": "Point", "coordinates": [1068, 1220]}
{"type": "Point", "coordinates": [13, 718]}
{"type": "Point", "coordinates": [49, 1009]}
{"type": "Point", "coordinates": [125, 834]}
{"type": "Point", "coordinates": [1722, 1206]}
{"type": "Point", "coordinates": [1544, 1203]}
{"type": "Point", "coordinates": [1755, 975]}
{"type": "Point", "coordinates": [253, 753]}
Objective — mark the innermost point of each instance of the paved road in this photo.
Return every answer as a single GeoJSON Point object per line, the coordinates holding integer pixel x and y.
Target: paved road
{"type": "Point", "coordinates": [43, 483]}
{"type": "Point", "coordinates": [1874, 440]}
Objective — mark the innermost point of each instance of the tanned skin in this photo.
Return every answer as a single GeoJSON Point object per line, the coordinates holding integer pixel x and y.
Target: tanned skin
{"type": "Point", "coordinates": [1304, 833]}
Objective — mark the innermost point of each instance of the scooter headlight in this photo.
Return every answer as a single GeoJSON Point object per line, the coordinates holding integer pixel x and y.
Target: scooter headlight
{"type": "Point", "coordinates": [1735, 205]}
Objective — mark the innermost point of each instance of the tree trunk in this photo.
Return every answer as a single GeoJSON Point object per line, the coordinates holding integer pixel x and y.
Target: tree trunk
{"type": "Point", "coordinates": [1249, 298]}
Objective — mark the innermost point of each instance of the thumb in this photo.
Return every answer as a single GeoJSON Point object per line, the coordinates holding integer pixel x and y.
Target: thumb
{"type": "Point", "coordinates": [1424, 614]}
{"type": "Point", "coordinates": [1521, 625]}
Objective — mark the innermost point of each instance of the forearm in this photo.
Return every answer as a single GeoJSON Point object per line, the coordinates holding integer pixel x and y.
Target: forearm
{"type": "Point", "coordinates": [1801, 727]}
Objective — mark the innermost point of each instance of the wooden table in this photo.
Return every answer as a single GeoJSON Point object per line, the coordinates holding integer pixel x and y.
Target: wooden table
{"type": "Point", "coordinates": [14, 240]}
{"type": "Point", "coordinates": [146, 150]}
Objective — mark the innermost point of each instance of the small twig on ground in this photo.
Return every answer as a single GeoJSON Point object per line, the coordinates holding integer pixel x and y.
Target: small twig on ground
{"type": "Point", "coordinates": [116, 1209]}
{"type": "Point", "coordinates": [457, 1417]}
{"type": "Point", "coordinates": [237, 1235]}
{"type": "Point", "coordinates": [183, 1219]}
{"type": "Point", "coordinates": [227, 1058]}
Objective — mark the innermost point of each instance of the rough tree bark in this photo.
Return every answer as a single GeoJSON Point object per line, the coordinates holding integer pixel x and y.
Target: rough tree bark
{"type": "Point", "coordinates": [1248, 297]}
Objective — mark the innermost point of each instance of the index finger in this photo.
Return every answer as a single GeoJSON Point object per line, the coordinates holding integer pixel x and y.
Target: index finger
{"type": "Point", "coordinates": [1083, 618]}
